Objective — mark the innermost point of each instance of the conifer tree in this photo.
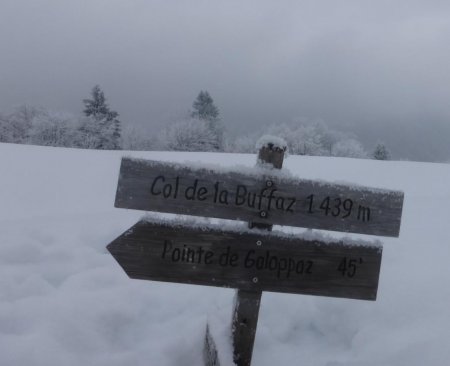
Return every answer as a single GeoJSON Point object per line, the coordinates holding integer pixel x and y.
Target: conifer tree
{"type": "Point", "coordinates": [108, 125]}
{"type": "Point", "coordinates": [204, 109]}
{"type": "Point", "coordinates": [381, 152]}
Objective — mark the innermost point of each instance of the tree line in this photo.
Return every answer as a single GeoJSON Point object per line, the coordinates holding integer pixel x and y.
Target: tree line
{"type": "Point", "coordinates": [99, 127]}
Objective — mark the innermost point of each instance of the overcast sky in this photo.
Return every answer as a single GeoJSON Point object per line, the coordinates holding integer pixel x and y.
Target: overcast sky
{"type": "Point", "coordinates": [355, 64]}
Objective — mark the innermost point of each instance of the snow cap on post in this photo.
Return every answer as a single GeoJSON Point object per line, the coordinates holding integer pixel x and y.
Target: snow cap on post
{"type": "Point", "coordinates": [271, 151]}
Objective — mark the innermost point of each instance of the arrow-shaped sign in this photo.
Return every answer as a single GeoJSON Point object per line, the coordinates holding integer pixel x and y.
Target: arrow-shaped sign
{"type": "Point", "coordinates": [255, 261]}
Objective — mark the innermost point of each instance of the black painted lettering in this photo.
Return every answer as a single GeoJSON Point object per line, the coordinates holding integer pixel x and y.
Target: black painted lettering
{"type": "Point", "coordinates": [201, 195]}
{"type": "Point", "coordinates": [280, 203]}
{"type": "Point", "coordinates": [225, 257]}
{"type": "Point", "coordinates": [208, 257]}
{"type": "Point", "coordinates": [152, 189]}
{"type": "Point", "coordinates": [241, 193]}
{"type": "Point", "coordinates": [167, 246]}
{"type": "Point", "coordinates": [325, 205]}
{"type": "Point", "coordinates": [291, 204]}
{"type": "Point", "coordinates": [364, 213]}
{"type": "Point", "coordinates": [167, 190]}
{"type": "Point", "coordinates": [270, 198]}
{"type": "Point", "coordinates": [249, 261]}
{"type": "Point", "coordinates": [348, 266]}
{"type": "Point", "coordinates": [273, 263]}
{"type": "Point", "coordinates": [200, 252]}
{"type": "Point", "coordinates": [282, 266]}
{"type": "Point", "coordinates": [310, 198]}
{"type": "Point", "coordinates": [223, 197]}
{"type": "Point", "coordinates": [260, 262]}
{"type": "Point", "coordinates": [176, 255]}
{"type": "Point", "coordinates": [250, 200]}
{"type": "Point", "coordinates": [177, 184]}
{"type": "Point", "coordinates": [260, 197]}
{"type": "Point", "coordinates": [189, 194]}
{"type": "Point", "coordinates": [351, 268]}
{"type": "Point", "coordinates": [347, 205]}
{"type": "Point", "coordinates": [300, 267]}
{"type": "Point", "coordinates": [233, 259]}
{"type": "Point", "coordinates": [266, 260]}
{"type": "Point", "coordinates": [291, 267]}
{"type": "Point", "coordinates": [216, 191]}
{"type": "Point", "coordinates": [190, 255]}
{"type": "Point", "coordinates": [337, 207]}
{"type": "Point", "coordinates": [309, 266]}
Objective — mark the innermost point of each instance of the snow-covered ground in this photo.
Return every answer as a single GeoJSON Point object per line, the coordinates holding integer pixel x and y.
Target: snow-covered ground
{"type": "Point", "coordinates": [65, 301]}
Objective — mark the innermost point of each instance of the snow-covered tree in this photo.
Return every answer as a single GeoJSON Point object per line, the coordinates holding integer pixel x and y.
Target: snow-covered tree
{"type": "Point", "coordinates": [349, 148]}
{"type": "Point", "coordinates": [53, 129]}
{"type": "Point", "coordinates": [5, 131]}
{"type": "Point", "coordinates": [308, 141]}
{"type": "Point", "coordinates": [94, 134]}
{"type": "Point", "coordinates": [317, 139]}
{"type": "Point", "coordinates": [16, 126]}
{"type": "Point", "coordinates": [381, 152]}
{"type": "Point", "coordinates": [108, 128]}
{"type": "Point", "coordinates": [189, 135]}
{"type": "Point", "coordinates": [242, 144]}
{"type": "Point", "coordinates": [328, 137]}
{"type": "Point", "coordinates": [204, 109]}
{"type": "Point", "coordinates": [134, 138]}
{"type": "Point", "coordinates": [301, 139]}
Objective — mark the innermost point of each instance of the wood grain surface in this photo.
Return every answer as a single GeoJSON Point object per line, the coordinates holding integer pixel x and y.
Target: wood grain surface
{"type": "Point", "coordinates": [174, 188]}
{"type": "Point", "coordinates": [247, 261]}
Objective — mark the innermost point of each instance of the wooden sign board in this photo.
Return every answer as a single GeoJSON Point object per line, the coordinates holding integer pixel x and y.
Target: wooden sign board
{"type": "Point", "coordinates": [252, 261]}
{"type": "Point", "coordinates": [174, 188]}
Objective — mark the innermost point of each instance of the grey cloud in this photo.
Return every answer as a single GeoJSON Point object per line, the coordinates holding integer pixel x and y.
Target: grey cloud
{"type": "Point", "coordinates": [352, 63]}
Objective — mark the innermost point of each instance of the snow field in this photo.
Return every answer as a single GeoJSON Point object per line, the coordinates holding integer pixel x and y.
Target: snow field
{"type": "Point", "coordinates": [65, 301]}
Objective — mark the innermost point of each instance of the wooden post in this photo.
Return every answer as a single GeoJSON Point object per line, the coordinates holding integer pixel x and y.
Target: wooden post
{"type": "Point", "coordinates": [271, 154]}
{"type": "Point", "coordinates": [245, 320]}
{"type": "Point", "coordinates": [246, 308]}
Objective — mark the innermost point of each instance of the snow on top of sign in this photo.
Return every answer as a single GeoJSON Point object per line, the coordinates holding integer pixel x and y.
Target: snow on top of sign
{"type": "Point", "coordinates": [273, 142]}
{"type": "Point", "coordinates": [353, 187]}
{"type": "Point", "coordinates": [261, 171]}
{"type": "Point", "coordinates": [241, 227]}
{"type": "Point", "coordinates": [257, 171]}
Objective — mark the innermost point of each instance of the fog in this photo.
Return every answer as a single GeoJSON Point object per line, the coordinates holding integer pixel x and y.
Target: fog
{"type": "Point", "coordinates": [379, 69]}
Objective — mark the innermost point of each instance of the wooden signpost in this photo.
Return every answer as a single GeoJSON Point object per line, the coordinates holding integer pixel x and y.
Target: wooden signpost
{"type": "Point", "coordinates": [252, 260]}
